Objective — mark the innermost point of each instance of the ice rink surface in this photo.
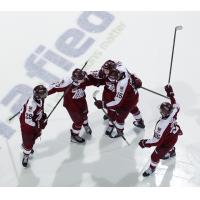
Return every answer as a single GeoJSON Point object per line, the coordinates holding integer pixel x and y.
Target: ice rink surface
{"type": "Point", "coordinates": [143, 42]}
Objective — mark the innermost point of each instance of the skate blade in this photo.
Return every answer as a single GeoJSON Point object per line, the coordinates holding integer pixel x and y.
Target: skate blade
{"type": "Point", "coordinates": [74, 141]}
{"type": "Point", "coordinates": [115, 136]}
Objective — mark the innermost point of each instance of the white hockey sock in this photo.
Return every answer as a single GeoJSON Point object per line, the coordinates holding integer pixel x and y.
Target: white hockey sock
{"type": "Point", "coordinates": [85, 122]}
{"type": "Point", "coordinates": [138, 116]}
{"type": "Point", "coordinates": [74, 131]}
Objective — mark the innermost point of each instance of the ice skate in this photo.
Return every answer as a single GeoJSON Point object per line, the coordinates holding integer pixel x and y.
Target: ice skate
{"type": "Point", "coordinates": [25, 160]}
{"type": "Point", "coordinates": [119, 133]}
{"type": "Point", "coordinates": [148, 172]}
{"type": "Point", "coordinates": [76, 138]}
{"type": "Point", "coordinates": [88, 130]}
{"type": "Point", "coordinates": [109, 130]}
{"type": "Point", "coordinates": [139, 123]}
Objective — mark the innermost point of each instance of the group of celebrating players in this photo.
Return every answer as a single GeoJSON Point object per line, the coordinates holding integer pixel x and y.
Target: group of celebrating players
{"type": "Point", "coordinates": [120, 97]}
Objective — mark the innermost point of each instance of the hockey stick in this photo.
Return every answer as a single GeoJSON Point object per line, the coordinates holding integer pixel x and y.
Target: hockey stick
{"type": "Point", "coordinates": [56, 103]}
{"type": "Point", "coordinates": [63, 94]}
{"type": "Point", "coordinates": [155, 92]}
{"type": "Point", "coordinates": [13, 116]}
{"type": "Point", "coordinates": [94, 97]}
{"type": "Point", "coordinates": [172, 56]}
{"type": "Point", "coordinates": [147, 88]}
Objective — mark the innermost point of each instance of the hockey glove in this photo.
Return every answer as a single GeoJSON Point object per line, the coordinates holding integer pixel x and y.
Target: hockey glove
{"type": "Point", "coordinates": [43, 121]}
{"type": "Point", "coordinates": [142, 143]}
{"type": "Point", "coordinates": [99, 104]}
{"type": "Point", "coordinates": [136, 81]}
{"type": "Point", "coordinates": [169, 91]}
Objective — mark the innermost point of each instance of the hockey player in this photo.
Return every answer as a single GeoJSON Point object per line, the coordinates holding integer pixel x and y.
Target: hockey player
{"type": "Point", "coordinates": [120, 99]}
{"type": "Point", "coordinates": [109, 91]}
{"type": "Point", "coordinates": [75, 101]}
{"type": "Point", "coordinates": [109, 88]}
{"type": "Point", "coordinates": [165, 134]}
{"type": "Point", "coordinates": [32, 121]}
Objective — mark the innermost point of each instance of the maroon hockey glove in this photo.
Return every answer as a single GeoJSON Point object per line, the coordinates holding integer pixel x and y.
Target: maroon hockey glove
{"type": "Point", "coordinates": [43, 124]}
{"type": "Point", "coordinates": [142, 143]}
{"type": "Point", "coordinates": [169, 90]}
{"type": "Point", "coordinates": [43, 121]}
{"type": "Point", "coordinates": [138, 83]}
{"type": "Point", "coordinates": [101, 74]}
{"type": "Point", "coordinates": [99, 104]}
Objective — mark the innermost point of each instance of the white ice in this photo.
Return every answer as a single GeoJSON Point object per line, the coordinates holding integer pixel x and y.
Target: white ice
{"type": "Point", "coordinates": [144, 44]}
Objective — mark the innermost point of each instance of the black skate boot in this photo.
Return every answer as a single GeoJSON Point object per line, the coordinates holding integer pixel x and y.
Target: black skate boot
{"type": "Point", "coordinates": [148, 172]}
{"type": "Point", "coordinates": [139, 123]}
{"type": "Point", "coordinates": [25, 160]}
{"type": "Point", "coordinates": [31, 154]}
{"type": "Point", "coordinates": [170, 154]}
{"type": "Point", "coordinates": [105, 117]}
{"type": "Point", "coordinates": [87, 128]}
{"type": "Point", "coordinates": [119, 133]}
{"type": "Point", "coordinates": [109, 130]}
{"type": "Point", "coordinates": [76, 138]}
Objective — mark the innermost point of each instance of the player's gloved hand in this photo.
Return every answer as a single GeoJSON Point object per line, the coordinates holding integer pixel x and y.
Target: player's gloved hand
{"type": "Point", "coordinates": [44, 116]}
{"type": "Point", "coordinates": [85, 74]}
{"type": "Point", "coordinates": [169, 90]}
{"type": "Point", "coordinates": [99, 104]}
{"type": "Point", "coordinates": [142, 143]}
{"type": "Point", "coordinates": [138, 83]}
{"type": "Point", "coordinates": [42, 122]}
{"type": "Point", "coordinates": [102, 75]}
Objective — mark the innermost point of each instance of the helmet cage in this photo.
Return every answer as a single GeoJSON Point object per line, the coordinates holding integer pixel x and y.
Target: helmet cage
{"type": "Point", "coordinates": [78, 75]}
{"type": "Point", "coordinates": [40, 92]}
{"type": "Point", "coordinates": [109, 65]}
{"type": "Point", "coordinates": [114, 75]}
{"type": "Point", "coordinates": [165, 109]}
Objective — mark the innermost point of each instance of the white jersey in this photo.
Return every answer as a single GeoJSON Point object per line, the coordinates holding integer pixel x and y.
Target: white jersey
{"type": "Point", "coordinates": [164, 127]}
{"type": "Point", "coordinates": [122, 68]}
{"type": "Point", "coordinates": [120, 91]}
{"type": "Point", "coordinates": [32, 112]}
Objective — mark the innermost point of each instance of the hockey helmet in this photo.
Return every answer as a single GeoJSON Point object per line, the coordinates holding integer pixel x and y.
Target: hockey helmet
{"type": "Point", "coordinates": [114, 75]}
{"type": "Point", "coordinates": [78, 74]}
{"type": "Point", "coordinates": [165, 109]}
{"type": "Point", "coordinates": [40, 92]}
{"type": "Point", "coordinates": [109, 65]}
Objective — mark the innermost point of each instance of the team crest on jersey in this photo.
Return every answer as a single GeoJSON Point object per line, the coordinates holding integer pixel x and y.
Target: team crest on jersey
{"type": "Point", "coordinates": [78, 93]}
{"type": "Point", "coordinates": [30, 108]}
{"type": "Point", "coordinates": [158, 130]}
{"type": "Point", "coordinates": [110, 86]}
{"type": "Point", "coordinates": [121, 89]}
{"type": "Point", "coordinates": [157, 135]}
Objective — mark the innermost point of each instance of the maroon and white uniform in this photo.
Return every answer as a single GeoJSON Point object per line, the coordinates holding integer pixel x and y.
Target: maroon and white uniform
{"type": "Point", "coordinates": [109, 91]}
{"type": "Point", "coordinates": [109, 87]}
{"type": "Point", "coordinates": [30, 115]}
{"type": "Point", "coordinates": [74, 100]}
{"type": "Point", "coordinates": [165, 135]}
{"type": "Point", "coordinates": [124, 102]}
{"type": "Point", "coordinates": [119, 98]}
